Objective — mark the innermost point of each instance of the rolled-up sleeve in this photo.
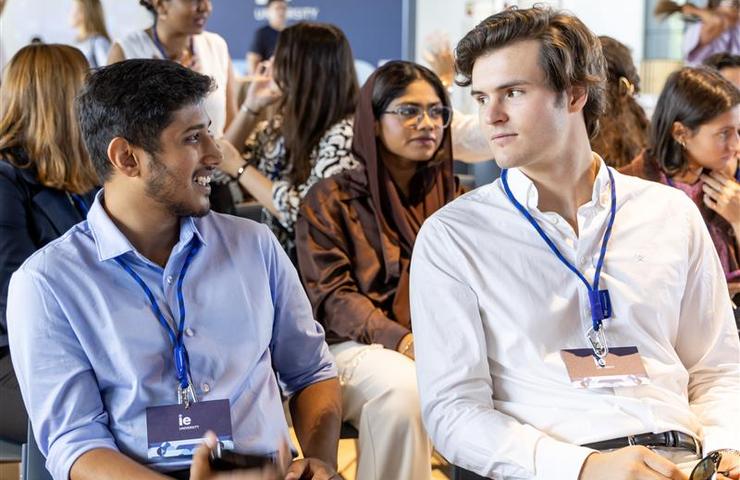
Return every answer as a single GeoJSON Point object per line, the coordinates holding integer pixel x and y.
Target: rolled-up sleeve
{"type": "Point", "coordinates": [457, 396]}
{"type": "Point", "coordinates": [54, 373]}
{"type": "Point", "coordinates": [300, 355]}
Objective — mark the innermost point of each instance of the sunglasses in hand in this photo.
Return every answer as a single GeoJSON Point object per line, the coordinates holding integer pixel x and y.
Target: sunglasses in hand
{"type": "Point", "coordinates": [708, 467]}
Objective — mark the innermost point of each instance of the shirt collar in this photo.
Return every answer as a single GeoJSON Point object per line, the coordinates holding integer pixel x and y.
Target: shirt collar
{"type": "Point", "coordinates": [525, 190]}
{"type": "Point", "coordinates": [111, 242]}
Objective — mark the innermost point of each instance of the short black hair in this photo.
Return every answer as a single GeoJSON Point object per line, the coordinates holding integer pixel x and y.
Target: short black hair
{"type": "Point", "coordinates": [135, 99]}
{"type": "Point", "coordinates": [722, 60]}
{"type": "Point", "coordinates": [270, 2]}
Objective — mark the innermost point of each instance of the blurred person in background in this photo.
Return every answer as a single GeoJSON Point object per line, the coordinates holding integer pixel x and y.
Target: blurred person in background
{"type": "Point", "coordinates": [693, 146]}
{"type": "Point", "coordinates": [266, 37]}
{"type": "Point", "coordinates": [47, 180]}
{"type": "Point", "coordinates": [717, 28]}
{"type": "Point", "coordinates": [728, 66]}
{"type": "Point", "coordinates": [309, 138]}
{"type": "Point", "coordinates": [623, 128]}
{"type": "Point", "coordinates": [354, 238]}
{"type": "Point", "coordinates": [178, 34]}
{"type": "Point", "coordinates": [92, 38]}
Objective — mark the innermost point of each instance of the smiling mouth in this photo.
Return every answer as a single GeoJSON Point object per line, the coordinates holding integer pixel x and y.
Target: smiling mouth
{"type": "Point", "coordinates": [503, 135]}
{"type": "Point", "coordinates": [202, 180]}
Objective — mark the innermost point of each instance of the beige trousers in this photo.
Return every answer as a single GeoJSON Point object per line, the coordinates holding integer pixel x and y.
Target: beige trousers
{"type": "Point", "coordinates": [380, 399]}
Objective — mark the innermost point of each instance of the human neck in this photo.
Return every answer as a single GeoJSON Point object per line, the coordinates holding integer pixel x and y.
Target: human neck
{"type": "Point", "coordinates": [690, 175]}
{"type": "Point", "coordinates": [562, 187]}
{"type": "Point", "coordinates": [150, 229]}
{"type": "Point", "coordinates": [174, 43]}
{"type": "Point", "coordinates": [401, 171]}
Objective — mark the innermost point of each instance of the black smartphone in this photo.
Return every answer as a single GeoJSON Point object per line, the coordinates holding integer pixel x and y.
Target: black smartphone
{"type": "Point", "coordinates": [223, 460]}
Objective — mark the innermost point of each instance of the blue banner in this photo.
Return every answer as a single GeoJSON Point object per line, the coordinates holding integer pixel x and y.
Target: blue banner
{"type": "Point", "coordinates": [378, 30]}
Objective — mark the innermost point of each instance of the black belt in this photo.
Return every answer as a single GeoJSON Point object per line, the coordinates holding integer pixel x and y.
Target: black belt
{"type": "Point", "coordinates": [672, 439]}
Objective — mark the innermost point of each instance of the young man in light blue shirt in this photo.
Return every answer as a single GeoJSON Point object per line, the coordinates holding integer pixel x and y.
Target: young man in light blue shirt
{"type": "Point", "coordinates": [155, 303]}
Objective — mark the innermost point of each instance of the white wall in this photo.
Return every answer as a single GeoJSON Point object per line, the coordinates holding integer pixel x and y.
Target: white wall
{"type": "Point", "coordinates": [23, 19]}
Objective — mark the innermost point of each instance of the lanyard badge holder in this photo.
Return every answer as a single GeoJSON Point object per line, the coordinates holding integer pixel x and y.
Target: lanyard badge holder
{"type": "Point", "coordinates": [185, 390]}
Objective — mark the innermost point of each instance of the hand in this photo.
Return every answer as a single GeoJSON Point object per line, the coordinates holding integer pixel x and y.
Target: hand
{"type": "Point", "coordinates": [734, 288]}
{"type": "Point", "coordinates": [629, 463]}
{"type": "Point", "coordinates": [406, 346]}
{"type": "Point", "coordinates": [731, 465]}
{"type": "Point", "coordinates": [262, 89]}
{"type": "Point", "coordinates": [438, 55]}
{"type": "Point", "coordinates": [311, 469]}
{"type": "Point", "coordinates": [200, 469]}
{"type": "Point", "coordinates": [722, 194]}
{"type": "Point", "coordinates": [232, 160]}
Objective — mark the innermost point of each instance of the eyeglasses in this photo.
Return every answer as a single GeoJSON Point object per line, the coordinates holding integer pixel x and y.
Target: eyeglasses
{"type": "Point", "coordinates": [708, 467]}
{"type": "Point", "coordinates": [412, 115]}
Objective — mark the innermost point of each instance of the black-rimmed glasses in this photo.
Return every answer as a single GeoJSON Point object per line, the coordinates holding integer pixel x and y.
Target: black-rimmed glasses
{"type": "Point", "coordinates": [412, 115]}
{"type": "Point", "coordinates": [708, 467]}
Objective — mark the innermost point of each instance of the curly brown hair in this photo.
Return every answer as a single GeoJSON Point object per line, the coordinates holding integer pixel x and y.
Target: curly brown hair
{"type": "Point", "coordinates": [624, 126]}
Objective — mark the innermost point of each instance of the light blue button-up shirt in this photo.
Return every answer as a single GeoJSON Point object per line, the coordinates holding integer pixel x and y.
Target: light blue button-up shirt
{"type": "Point", "coordinates": [91, 356]}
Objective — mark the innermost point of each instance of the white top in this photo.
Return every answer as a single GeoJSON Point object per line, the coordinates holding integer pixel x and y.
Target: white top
{"type": "Point", "coordinates": [95, 49]}
{"type": "Point", "coordinates": [492, 307]}
{"type": "Point", "coordinates": [212, 59]}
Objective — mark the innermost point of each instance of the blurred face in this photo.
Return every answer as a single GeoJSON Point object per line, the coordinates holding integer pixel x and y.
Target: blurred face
{"type": "Point", "coordinates": [413, 131]}
{"type": "Point", "coordinates": [276, 14]}
{"type": "Point", "coordinates": [732, 74]}
{"type": "Point", "coordinates": [525, 121]}
{"type": "Point", "coordinates": [714, 143]}
{"type": "Point", "coordinates": [178, 177]}
{"type": "Point", "coordinates": [185, 16]}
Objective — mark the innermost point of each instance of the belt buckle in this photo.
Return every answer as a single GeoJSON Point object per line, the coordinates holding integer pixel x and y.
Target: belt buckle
{"type": "Point", "coordinates": [697, 448]}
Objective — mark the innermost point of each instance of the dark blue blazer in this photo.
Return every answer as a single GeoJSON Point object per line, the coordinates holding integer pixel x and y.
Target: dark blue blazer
{"type": "Point", "coordinates": [31, 215]}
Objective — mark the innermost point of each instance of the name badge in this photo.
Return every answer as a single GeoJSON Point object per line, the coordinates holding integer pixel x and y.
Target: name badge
{"type": "Point", "coordinates": [623, 368]}
{"type": "Point", "coordinates": [174, 431]}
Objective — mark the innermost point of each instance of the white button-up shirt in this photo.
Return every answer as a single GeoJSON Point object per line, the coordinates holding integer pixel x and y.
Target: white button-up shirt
{"type": "Point", "coordinates": [492, 307]}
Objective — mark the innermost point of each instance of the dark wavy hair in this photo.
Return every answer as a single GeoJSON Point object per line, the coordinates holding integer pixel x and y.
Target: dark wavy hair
{"type": "Point", "coordinates": [315, 70]}
{"type": "Point", "coordinates": [623, 129]}
{"type": "Point", "coordinates": [570, 54]}
{"type": "Point", "coordinates": [692, 96]}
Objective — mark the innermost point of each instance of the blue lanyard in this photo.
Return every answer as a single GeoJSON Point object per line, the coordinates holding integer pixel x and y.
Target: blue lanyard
{"type": "Point", "coordinates": [80, 203]}
{"type": "Point", "coordinates": [179, 352]}
{"type": "Point", "coordinates": [599, 300]}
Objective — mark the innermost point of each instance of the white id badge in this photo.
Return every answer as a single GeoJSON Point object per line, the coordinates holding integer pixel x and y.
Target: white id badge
{"type": "Point", "coordinates": [175, 431]}
{"type": "Point", "coordinates": [623, 368]}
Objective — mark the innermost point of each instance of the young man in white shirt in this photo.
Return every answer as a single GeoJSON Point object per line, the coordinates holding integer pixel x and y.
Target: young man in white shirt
{"type": "Point", "coordinates": [508, 293]}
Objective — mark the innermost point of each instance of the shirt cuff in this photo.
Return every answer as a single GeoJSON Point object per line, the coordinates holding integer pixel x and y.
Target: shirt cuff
{"type": "Point", "coordinates": [390, 333]}
{"type": "Point", "coordinates": [559, 460]}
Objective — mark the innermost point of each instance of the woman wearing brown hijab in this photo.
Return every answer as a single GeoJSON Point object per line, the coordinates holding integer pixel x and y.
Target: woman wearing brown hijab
{"type": "Point", "coordinates": [354, 241]}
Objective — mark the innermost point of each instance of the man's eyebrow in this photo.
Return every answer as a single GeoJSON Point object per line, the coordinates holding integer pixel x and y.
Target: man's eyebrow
{"type": "Point", "coordinates": [199, 126]}
{"type": "Point", "coordinates": [503, 86]}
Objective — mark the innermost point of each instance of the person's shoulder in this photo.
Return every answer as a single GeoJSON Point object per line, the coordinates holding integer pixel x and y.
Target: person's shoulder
{"type": "Point", "coordinates": [342, 127]}
{"type": "Point", "coordinates": [328, 192]}
{"type": "Point", "coordinates": [137, 44]}
{"type": "Point", "coordinates": [62, 253]}
{"type": "Point", "coordinates": [214, 40]}
{"type": "Point", "coordinates": [482, 201]}
{"type": "Point", "coordinates": [136, 36]}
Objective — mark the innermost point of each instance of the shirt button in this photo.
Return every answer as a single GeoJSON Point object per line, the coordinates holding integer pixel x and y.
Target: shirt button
{"type": "Point", "coordinates": [205, 387]}
{"type": "Point", "coordinates": [169, 279]}
{"type": "Point", "coordinates": [189, 332]}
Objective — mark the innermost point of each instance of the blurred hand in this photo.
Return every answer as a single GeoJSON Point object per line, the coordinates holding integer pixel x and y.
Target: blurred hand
{"type": "Point", "coordinates": [629, 463]}
{"type": "Point", "coordinates": [722, 194]}
{"type": "Point", "coordinates": [730, 465]}
{"type": "Point", "coordinates": [232, 159]}
{"type": "Point", "coordinates": [734, 289]}
{"type": "Point", "coordinates": [200, 469]}
{"type": "Point", "coordinates": [262, 89]}
{"type": "Point", "coordinates": [406, 346]}
{"type": "Point", "coordinates": [311, 469]}
{"type": "Point", "coordinates": [438, 54]}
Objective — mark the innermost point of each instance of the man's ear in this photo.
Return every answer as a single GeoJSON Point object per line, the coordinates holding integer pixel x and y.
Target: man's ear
{"type": "Point", "coordinates": [124, 157]}
{"type": "Point", "coordinates": [577, 97]}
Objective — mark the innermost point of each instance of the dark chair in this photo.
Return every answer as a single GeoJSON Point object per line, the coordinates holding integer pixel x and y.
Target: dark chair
{"type": "Point", "coordinates": [33, 463]}
{"type": "Point", "coordinates": [462, 474]}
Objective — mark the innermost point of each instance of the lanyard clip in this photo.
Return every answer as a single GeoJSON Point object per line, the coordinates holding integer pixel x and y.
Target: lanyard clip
{"type": "Point", "coordinates": [597, 339]}
{"type": "Point", "coordinates": [186, 396]}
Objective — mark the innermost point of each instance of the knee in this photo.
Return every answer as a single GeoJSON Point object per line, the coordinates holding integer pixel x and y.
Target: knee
{"type": "Point", "coordinates": [400, 404]}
